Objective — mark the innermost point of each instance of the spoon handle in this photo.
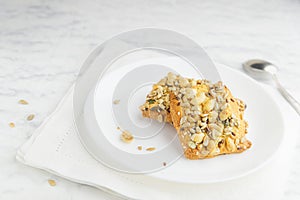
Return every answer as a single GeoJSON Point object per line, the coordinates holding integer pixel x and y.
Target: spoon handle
{"type": "Point", "coordinates": [293, 102]}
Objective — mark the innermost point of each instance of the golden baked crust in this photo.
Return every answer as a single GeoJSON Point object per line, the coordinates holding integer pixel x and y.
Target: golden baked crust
{"type": "Point", "coordinates": [208, 119]}
{"type": "Point", "coordinates": [157, 105]}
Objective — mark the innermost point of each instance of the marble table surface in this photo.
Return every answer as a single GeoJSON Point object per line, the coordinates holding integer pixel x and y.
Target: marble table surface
{"type": "Point", "coordinates": [44, 42]}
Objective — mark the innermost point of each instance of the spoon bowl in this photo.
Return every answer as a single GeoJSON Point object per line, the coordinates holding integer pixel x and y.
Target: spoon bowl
{"type": "Point", "coordinates": [260, 69]}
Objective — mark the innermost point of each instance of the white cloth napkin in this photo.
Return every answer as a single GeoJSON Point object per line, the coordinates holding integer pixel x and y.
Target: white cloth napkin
{"type": "Point", "coordinates": [55, 147]}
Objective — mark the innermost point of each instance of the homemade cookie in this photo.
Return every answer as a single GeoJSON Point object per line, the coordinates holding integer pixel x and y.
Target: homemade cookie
{"type": "Point", "coordinates": [208, 119]}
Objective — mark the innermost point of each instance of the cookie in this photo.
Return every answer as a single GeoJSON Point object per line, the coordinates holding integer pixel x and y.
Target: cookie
{"type": "Point", "coordinates": [208, 119]}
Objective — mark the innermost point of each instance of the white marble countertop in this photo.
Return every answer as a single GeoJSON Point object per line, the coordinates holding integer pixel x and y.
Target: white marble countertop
{"type": "Point", "coordinates": [43, 43]}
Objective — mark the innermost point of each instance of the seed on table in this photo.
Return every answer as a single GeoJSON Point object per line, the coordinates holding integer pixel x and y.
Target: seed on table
{"type": "Point", "coordinates": [23, 102]}
{"type": "Point", "coordinates": [11, 125]}
{"type": "Point", "coordinates": [52, 182]}
{"type": "Point", "coordinates": [117, 101]}
{"type": "Point", "coordinates": [150, 149]}
{"type": "Point", "coordinates": [30, 117]}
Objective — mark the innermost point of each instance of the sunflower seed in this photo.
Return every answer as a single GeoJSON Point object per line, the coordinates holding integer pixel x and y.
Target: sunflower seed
{"type": "Point", "coordinates": [23, 102]}
{"type": "Point", "coordinates": [30, 117]}
{"type": "Point", "coordinates": [191, 144]}
{"type": "Point", "coordinates": [52, 182]}
{"type": "Point", "coordinates": [11, 125]}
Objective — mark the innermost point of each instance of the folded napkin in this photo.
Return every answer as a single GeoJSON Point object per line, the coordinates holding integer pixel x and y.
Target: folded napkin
{"type": "Point", "coordinates": [55, 147]}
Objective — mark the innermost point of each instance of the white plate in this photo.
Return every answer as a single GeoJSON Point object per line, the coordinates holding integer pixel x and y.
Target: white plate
{"type": "Point", "coordinates": [265, 126]}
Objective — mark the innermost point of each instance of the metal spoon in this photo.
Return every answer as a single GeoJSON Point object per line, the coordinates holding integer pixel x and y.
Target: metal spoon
{"type": "Point", "coordinates": [263, 70]}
